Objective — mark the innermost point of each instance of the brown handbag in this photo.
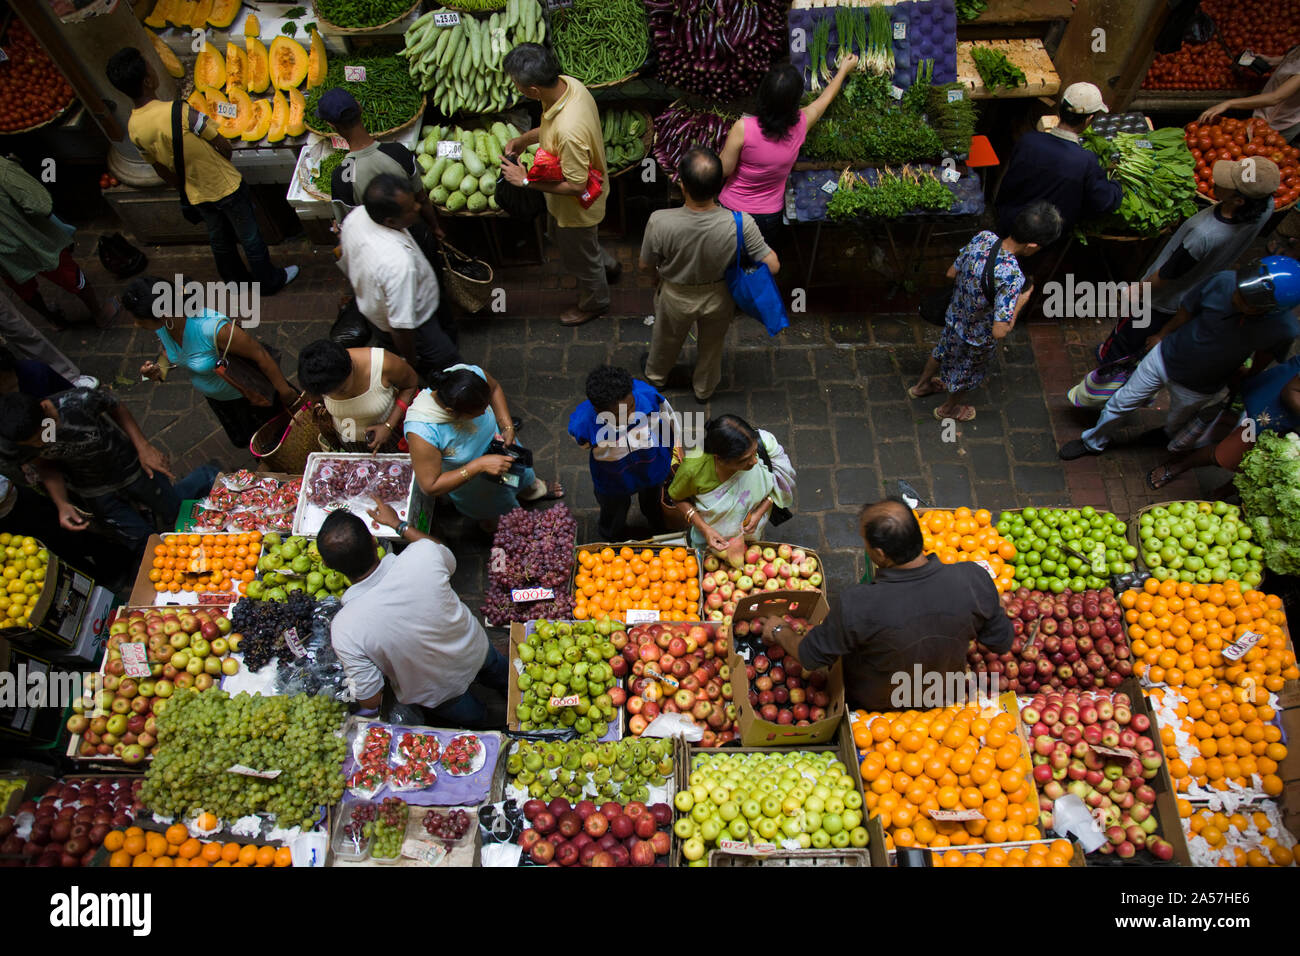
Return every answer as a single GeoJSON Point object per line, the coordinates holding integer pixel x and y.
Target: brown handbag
{"type": "Point", "coordinates": [246, 377]}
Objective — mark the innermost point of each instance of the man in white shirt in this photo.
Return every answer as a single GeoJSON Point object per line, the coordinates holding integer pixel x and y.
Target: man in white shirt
{"type": "Point", "coordinates": [395, 286]}
{"type": "Point", "coordinates": [401, 621]}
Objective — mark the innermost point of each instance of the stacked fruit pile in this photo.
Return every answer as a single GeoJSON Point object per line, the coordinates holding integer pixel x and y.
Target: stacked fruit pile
{"type": "Point", "coordinates": [1199, 541]}
{"type": "Point", "coordinates": [1217, 738]}
{"type": "Point", "coordinates": [610, 583]}
{"type": "Point", "coordinates": [1058, 853]}
{"type": "Point", "coordinates": [388, 828]}
{"type": "Point", "coordinates": [728, 581]}
{"type": "Point", "coordinates": [205, 563]}
{"type": "Point", "coordinates": [293, 564]}
{"type": "Point", "coordinates": [806, 796]}
{"type": "Point", "coordinates": [183, 648]}
{"type": "Point", "coordinates": [1245, 838]}
{"type": "Point", "coordinates": [531, 549]}
{"type": "Point", "coordinates": [1095, 746]}
{"type": "Point", "coordinates": [1061, 640]}
{"type": "Point", "coordinates": [69, 822]}
{"type": "Point", "coordinates": [587, 835]}
{"type": "Point", "coordinates": [1188, 635]}
{"type": "Point", "coordinates": [966, 535]}
{"type": "Point", "coordinates": [624, 770]}
{"type": "Point", "coordinates": [678, 669]}
{"type": "Point", "coordinates": [1074, 548]}
{"type": "Point", "coordinates": [1236, 139]}
{"type": "Point", "coordinates": [779, 689]}
{"type": "Point", "coordinates": [175, 847]}
{"type": "Point", "coordinates": [25, 565]}
{"type": "Point", "coordinates": [918, 766]}
{"type": "Point", "coordinates": [568, 677]}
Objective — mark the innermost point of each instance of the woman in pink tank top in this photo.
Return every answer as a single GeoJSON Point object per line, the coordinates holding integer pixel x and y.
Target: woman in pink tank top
{"type": "Point", "coordinates": [761, 150]}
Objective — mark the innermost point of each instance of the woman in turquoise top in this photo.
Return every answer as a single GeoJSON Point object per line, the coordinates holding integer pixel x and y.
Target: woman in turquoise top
{"type": "Point", "coordinates": [449, 428]}
{"type": "Point", "coordinates": [195, 343]}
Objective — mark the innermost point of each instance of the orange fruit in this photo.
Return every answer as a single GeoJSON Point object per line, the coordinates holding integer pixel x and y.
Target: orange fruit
{"type": "Point", "coordinates": [142, 859]}
{"type": "Point", "coordinates": [190, 849]}
{"type": "Point", "coordinates": [176, 834]}
{"type": "Point", "coordinates": [113, 840]}
{"type": "Point", "coordinates": [119, 858]}
{"type": "Point", "coordinates": [230, 852]}
{"type": "Point", "coordinates": [211, 852]}
{"type": "Point", "coordinates": [283, 856]}
{"type": "Point", "coordinates": [134, 845]}
{"type": "Point", "coordinates": [248, 854]}
{"type": "Point", "coordinates": [265, 856]}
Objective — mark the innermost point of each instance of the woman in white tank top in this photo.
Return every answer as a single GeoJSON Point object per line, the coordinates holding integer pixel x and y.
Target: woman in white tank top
{"type": "Point", "coordinates": [365, 391]}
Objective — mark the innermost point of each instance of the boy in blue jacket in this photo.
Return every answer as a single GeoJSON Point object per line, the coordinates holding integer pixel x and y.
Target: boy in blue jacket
{"type": "Point", "coordinates": [632, 432]}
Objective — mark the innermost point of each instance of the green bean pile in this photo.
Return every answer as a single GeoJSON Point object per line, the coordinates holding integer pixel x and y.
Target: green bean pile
{"type": "Point", "coordinates": [388, 96]}
{"type": "Point", "coordinates": [324, 180]}
{"type": "Point", "coordinates": [476, 6]}
{"type": "Point", "coordinates": [600, 41]}
{"type": "Point", "coordinates": [355, 14]}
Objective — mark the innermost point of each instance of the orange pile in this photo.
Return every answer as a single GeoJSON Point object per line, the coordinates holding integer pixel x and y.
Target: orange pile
{"type": "Point", "coordinates": [136, 847]}
{"type": "Point", "coordinates": [609, 583]}
{"type": "Point", "coordinates": [1179, 630]}
{"type": "Point", "coordinates": [947, 759]}
{"type": "Point", "coordinates": [205, 562]}
{"type": "Point", "coordinates": [1234, 740]}
{"type": "Point", "coordinates": [1056, 853]}
{"type": "Point", "coordinates": [965, 535]}
{"type": "Point", "coordinates": [1215, 828]}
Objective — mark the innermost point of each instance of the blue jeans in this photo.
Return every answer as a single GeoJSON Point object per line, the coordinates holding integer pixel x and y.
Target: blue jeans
{"type": "Point", "coordinates": [120, 510]}
{"type": "Point", "coordinates": [232, 223]}
{"type": "Point", "coordinates": [467, 710]}
{"type": "Point", "coordinates": [1143, 385]}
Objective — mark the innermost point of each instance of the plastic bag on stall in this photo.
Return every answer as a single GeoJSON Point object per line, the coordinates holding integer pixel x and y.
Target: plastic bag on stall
{"type": "Point", "coordinates": [318, 670]}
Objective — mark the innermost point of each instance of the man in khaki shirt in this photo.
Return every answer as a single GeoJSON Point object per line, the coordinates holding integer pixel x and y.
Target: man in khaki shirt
{"type": "Point", "coordinates": [570, 130]}
{"type": "Point", "coordinates": [212, 184]}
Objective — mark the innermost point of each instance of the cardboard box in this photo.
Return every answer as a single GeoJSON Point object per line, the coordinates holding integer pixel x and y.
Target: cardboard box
{"type": "Point", "coordinates": [1166, 809]}
{"type": "Point", "coordinates": [518, 634]}
{"type": "Point", "coordinates": [55, 620]}
{"type": "Point", "coordinates": [33, 726]}
{"type": "Point", "coordinates": [848, 755]}
{"type": "Point", "coordinates": [1077, 859]}
{"type": "Point", "coordinates": [641, 617]}
{"type": "Point", "coordinates": [705, 557]}
{"type": "Point", "coordinates": [752, 730]}
{"type": "Point", "coordinates": [93, 632]}
{"type": "Point", "coordinates": [307, 519]}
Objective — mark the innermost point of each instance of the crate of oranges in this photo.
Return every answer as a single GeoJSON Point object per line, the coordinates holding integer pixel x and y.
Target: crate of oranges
{"type": "Point", "coordinates": [1188, 635]}
{"type": "Point", "coordinates": [175, 847]}
{"type": "Point", "coordinates": [612, 580]}
{"type": "Point", "coordinates": [949, 777]}
{"type": "Point", "coordinates": [1216, 739]}
{"type": "Point", "coordinates": [213, 566]}
{"type": "Point", "coordinates": [1034, 853]}
{"type": "Point", "coordinates": [969, 535]}
{"type": "Point", "coordinates": [1251, 836]}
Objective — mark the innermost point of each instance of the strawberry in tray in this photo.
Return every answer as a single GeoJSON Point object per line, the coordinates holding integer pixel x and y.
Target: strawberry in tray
{"type": "Point", "coordinates": [462, 755]}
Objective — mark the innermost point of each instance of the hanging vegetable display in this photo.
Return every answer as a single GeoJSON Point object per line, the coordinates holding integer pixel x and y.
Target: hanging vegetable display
{"type": "Point", "coordinates": [717, 48]}
{"type": "Point", "coordinates": [679, 128]}
{"type": "Point", "coordinates": [600, 41]}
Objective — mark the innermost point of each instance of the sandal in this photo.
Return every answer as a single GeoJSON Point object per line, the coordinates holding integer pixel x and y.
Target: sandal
{"type": "Point", "coordinates": [935, 387]}
{"type": "Point", "coordinates": [961, 417]}
{"type": "Point", "coordinates": [549, 492]}
{"type": "Point", "coordinates": [1156, 482]}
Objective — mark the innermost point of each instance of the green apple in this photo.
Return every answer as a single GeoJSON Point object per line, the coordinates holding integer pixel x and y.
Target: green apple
{"type": "Point", "coordinates": [859, 837]}
{"type": "Point", "coordinates": [711, 829]}
{"type": "Point", "coordinates": [684, 828]}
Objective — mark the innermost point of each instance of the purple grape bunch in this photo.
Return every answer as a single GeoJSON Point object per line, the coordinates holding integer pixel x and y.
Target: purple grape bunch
{"type": "Point", "coordinates": [537, 551]}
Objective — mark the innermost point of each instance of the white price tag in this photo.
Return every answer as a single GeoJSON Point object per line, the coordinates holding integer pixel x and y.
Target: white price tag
{"type": "Point", "coordinates": [950, 175]}
{"type": "Point", "coordinates": [830, 186]}
{"type": "Point", "coordinates": [338, 142]}
{"type": "Point", "coordinates": [746, 849]}
{"type": "Point", "coordinates": [638, 616]}
{"type": "Point", "coordinates": [955, 95]}
{"type": "Point", "coordinates": [449, 148]}
{"type": "Point", "coordinates": [1122, 752]}
{"type": "Point", "coordinates": [956, 815]}
{"type": "Point", "coordinates": [1246, 58]}
{"type": "Point", "coordinates": [523, 595]}
{"type": "Point", "coordinates": [295, 645]}
{"type": "Point", "coordinates": [1142, 143]}
{"type": "Point", "coordinates": [896, 92]}
{"type": "Point", "coordinates": [519, 666]}
{"type": "Point", "coordinates": [571, 701]}
{"type": "Point", "coordinates": [135, 660]}
{"type": "Point", "coordinates": [354, 74]}
{"type": "Point", "coordinates": [448, 19]}
{"type": "Point", "coordinates": [900, 29]}
{"type": "Point", "coordinates": [228, 110]}
{"type": "Point", "coordinates": [424, 851]}
{"type": "Point", "coordinates": [1233, 652]}
{"type": "Point", "coordinates": [239, 768]}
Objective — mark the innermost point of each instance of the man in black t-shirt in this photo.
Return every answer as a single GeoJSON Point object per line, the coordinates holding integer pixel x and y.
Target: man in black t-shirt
{"type": "Point", "coordinates": [85, 444]}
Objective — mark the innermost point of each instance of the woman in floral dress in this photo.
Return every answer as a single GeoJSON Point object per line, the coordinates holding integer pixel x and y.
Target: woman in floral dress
{"type": "Point", "coordinates": [976, 319]}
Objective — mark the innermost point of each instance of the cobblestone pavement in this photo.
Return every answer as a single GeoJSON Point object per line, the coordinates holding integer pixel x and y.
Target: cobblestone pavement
{"type": "Point", "coordinates": [832, 388]}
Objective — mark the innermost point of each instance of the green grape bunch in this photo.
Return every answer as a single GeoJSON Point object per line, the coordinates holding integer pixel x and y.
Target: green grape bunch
{"type": "Point", "coordinates": [202, 735]}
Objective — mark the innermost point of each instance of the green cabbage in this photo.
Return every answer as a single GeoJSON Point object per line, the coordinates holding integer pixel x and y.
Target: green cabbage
{"type": "Point", "coordinates": [1269, 484]}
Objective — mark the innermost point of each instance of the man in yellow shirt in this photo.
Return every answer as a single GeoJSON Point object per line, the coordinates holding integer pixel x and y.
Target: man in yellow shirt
{"type": "Point", "coordinates": [212, 184]}
{"type": "Point", "coordinates": [570, 130]}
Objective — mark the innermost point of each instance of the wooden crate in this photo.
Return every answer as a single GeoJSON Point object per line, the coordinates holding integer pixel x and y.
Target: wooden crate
{"type": "Point", "coordinates": [1029, 55]}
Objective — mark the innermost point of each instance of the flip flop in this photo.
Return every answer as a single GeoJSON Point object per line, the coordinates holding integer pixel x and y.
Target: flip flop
{"type": "Point", "coordinates": [1156, 483]}
{"type": "Point", "coordinates": [959, 418]}
{"type": "Point", "coordinates": [550, 493]}
{"type": "Point", "coordinates": [935, 387]}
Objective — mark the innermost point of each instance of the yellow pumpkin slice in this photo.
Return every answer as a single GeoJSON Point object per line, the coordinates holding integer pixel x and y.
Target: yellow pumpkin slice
{"type": "Point", "coordinates": [198, 102]}
{"type": "Point", "coordinates": [317, 61]}
{"type": "Point", "coordinates": [288, 63]}
{"type": "Point", "coordinates": [210, 68]}
{"type": "Point", "coordinates": [182, 12]}
{"type": "Point", "coordinates": [236, 66]}
{"type": "Point", "coordinates": [157, 17]}
{"type": "Point", "coordinates": [279, 118]}
{"type": "Point", "coordinates": [297, 114]}
{"type": "Point", "coordinates": [259, 69]}
{"type": "Point", "coordinates": [168, 58]}
{"type": "Point", "coordinates": [224, 13]}
{"type": "Point", "coordinates": [252, 26]}
{"type": "Point", "coordinates": [233, 127]}
{"type": "Point", "coordinates": [260, 124]}
{"type": "Point", "coordinates": [199, 18]}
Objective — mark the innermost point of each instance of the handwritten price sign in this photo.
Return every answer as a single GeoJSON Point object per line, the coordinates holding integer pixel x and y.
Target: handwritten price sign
{"type": "Point", "coordinates": [746, 849]}
{"type": "Point", "coordinates": [239, 768]}
{"type": "Point", "coordinates": [524, 595]}
{"type": "Point", "coordinates": [135, 660]}
{"type": "Point", "coordinates": [1237, 649]}
{"type": "Point", "coordinates": [571, 701]}
{"type": "Point", "coordinates": [354, 74]}
{"type": "Point", "coordinates": [446, 19]}
{"type": "Point", "coordinates": [1122, 752]}
{"type": "Point", "coordinates": [956, 815]}
{"type": "Point", "coordinates": [638, 616]}
{"type": "Point", "coordinates": [295, 645]}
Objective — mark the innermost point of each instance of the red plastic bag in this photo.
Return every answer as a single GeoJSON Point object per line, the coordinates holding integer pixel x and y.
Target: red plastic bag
{"type": "Point", "coordinates": [547, 168]}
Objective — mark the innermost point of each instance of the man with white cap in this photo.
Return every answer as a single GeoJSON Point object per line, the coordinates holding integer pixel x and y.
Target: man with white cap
{"type": "Point", "coordinates": [1055, 168]}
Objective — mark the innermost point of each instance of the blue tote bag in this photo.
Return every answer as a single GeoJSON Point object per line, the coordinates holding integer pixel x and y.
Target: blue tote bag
{"type": "Point", "coordinates": [754, 290]}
